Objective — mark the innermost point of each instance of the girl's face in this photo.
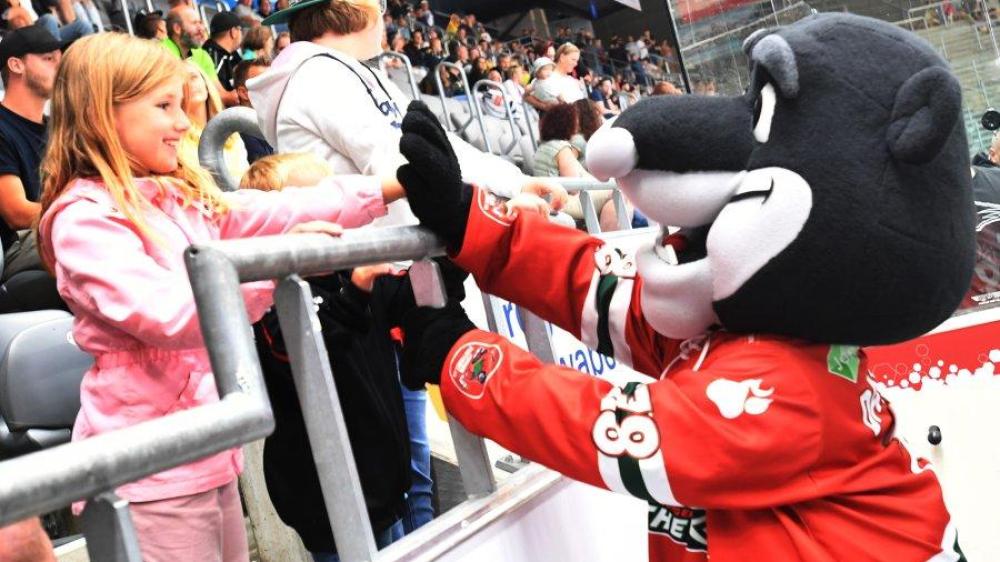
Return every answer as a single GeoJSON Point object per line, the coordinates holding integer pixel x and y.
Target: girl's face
{"type": "Point", "coordinates": [199, 90]}
{"type": "Point", "coordinates": [150, 128]}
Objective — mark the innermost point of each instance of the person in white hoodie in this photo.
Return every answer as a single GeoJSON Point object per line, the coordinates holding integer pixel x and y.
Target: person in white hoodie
{"type": "Point", "coordinates": [318, 97]}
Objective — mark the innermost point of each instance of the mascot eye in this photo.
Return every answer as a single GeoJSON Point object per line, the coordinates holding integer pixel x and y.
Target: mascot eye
{"type": "Point", "coordinates": [764, 113]}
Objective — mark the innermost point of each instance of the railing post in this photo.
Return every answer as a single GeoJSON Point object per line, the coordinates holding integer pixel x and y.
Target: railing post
{"type": "Point", "coordinates": [107, 524]}
{"type": "Point", "coordinates": [324, 418]}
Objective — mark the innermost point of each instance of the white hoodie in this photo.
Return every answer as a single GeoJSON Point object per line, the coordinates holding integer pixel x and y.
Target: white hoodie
{"type": "Point", "coordinates": [309, 103]}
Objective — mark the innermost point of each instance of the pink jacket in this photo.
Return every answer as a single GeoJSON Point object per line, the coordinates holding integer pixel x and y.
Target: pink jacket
{"type": "Point", "coordinates": [135, 312]}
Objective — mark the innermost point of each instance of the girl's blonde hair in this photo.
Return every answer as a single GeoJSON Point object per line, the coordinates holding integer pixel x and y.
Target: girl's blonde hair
{"type": "Point", "coordinates": [98, 73]}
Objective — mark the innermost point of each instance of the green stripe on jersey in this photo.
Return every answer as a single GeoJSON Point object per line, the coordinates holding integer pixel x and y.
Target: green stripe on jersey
{"type": "Point", "coordinates": [628, 468]}
{"type": "Point", "coordinates": [605, 290]}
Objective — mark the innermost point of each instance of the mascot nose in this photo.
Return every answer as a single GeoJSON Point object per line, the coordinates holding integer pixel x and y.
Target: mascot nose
{"type": "Point", "coordinates": [611, 153]}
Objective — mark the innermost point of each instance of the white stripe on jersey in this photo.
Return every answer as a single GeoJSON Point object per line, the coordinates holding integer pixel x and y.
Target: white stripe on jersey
{"type": "Point", "coordinates": [618, 318]}
{"type": "Point", "coordinates": [947, 553]}
{"type": "Point", "coordinates": [588, 320]}
{"type": "Point", "coordinates": [611, 474]}
{"type": "Point", "coordinates": [654, 474]}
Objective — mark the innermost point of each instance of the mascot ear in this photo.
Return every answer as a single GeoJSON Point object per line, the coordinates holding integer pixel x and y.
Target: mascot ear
{"type": "Point", "coordinates": [775, 54]}
{"type": "Point", "coordinates": [927, 107]}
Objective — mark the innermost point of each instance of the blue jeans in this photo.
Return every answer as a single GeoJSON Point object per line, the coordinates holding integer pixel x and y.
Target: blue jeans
{"type": "Point", "coordinates": [382, 540]}
{"type": "Point", "coordinates": [418, 499]}
{"type": "Point", "coordinates": [69, 32]}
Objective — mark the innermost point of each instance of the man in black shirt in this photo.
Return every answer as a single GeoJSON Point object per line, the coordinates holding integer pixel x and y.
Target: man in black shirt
{"type": "Point", "coordinates": [29, 58]}
{"type": "Point", "coordinates": [223, 47]}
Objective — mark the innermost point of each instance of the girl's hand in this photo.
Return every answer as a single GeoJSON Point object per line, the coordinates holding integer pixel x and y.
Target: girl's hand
{"type": "Point", "coordinates": [542, 187]}
{"type": "Point", "coordinates": [318, 227]}
{"type": "Point", "coordinates": [364, 277]}
{"type": "Point", "coordinates": [530, 203]}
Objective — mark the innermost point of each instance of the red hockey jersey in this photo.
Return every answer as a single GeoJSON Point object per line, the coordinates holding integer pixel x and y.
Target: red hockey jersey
{"type": "Point", "coordinates": [784, 446]}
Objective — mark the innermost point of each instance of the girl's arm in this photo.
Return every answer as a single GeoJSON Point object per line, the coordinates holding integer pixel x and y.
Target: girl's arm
{"type": "Point", "coordinates": [350, 201]}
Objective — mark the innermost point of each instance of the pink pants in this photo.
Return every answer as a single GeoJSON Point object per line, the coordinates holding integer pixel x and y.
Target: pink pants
{"type": "Point", "coordinates": [207, 527]}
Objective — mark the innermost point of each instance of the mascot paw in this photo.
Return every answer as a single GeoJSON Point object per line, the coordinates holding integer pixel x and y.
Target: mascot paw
{"type": "Point", "coordinates": [429, 335]}
{"type": "Point", "coordinates": [432, 177]}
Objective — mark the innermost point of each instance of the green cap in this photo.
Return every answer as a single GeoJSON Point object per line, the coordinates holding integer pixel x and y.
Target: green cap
{"type": "Point", "coordinates": [282, 16]}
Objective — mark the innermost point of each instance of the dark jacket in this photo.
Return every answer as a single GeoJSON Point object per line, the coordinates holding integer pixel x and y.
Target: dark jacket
{"type": "Point", "coordinates": [362, 356]}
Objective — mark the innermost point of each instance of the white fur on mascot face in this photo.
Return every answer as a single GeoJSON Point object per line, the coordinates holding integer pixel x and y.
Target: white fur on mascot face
{"type": "Point", "coordinates": [753, 217]}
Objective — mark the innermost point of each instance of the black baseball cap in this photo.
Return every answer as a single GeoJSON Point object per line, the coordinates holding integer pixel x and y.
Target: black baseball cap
{"type": "Point", "coordinates": [33, 39]}
{"type": "Point", "coordinates": [224, 21]}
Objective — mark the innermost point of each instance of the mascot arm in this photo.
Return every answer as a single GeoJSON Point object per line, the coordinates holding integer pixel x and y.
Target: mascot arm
{"type": "Point", "coordinates": [552, 271]}
{"type": "Point", "coordinates": [739, 435]}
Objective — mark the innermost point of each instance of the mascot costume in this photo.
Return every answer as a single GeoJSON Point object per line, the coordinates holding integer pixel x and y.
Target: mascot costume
{"type": "Point", "coordinates": [827, 208]}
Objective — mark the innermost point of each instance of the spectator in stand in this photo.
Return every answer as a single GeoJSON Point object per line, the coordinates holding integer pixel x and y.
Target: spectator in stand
{"type": "Point", "coordinates": [258, 43]}
{"type": "Point", "coordinates": [560, 87]}
{"type": "Point", "coordinates": [398, 8]}
{"type": "Point", "coordinates": [201, 103]}
{"type": "Point", "coordinates": [590, 120]}
{"type": "Point", "coordinates": [433, 54]}
{"type": "Point", "coordinates": [29, 57]}
{"type": "Point", "coordinates": [319, 97]}
{"type": "Point", "coordinates": [666, 89]}
{"type": "Point", "coordinates": [557, 157]}
{"type": "Point", "coordinates": [224, 46]}
{"type": "Point", "coordinates": [281, 42]}
{"type": "Point", "coordinates": [514, 85]}
{"type": "Point", "coordinates": [150, 25]}
{"type": "Point", "coordinates": [246, 70]}
{"type": "Point", "coordinates": [264, 8]}
{"type": "Point", "coordinates": [492, 100]}
{"type": "Point", "coordinates": [541, 72]}
{"type": "Point", "coordinates": [605, 99]}
{"type": "Point", "coordinates": [414, 49]}
{"type": "Point", "coordinates": [57, 16]}
{"type": "Point", "coordinates": [185, 36]}
{"type": "Point", "coordinates": [403, 28]}
{"type": "Point", "coordinates": [463, 36]}
{"type": "Point", "coordinates": [480, 69]}
{"type": "Point", "coordinates": [120, 205]}
{"type": "Point", "coordinates": [451, 32]}
{"type": "Point", "coordinates": [244, 10]}
{"type": "Point", "coordinates": [424, 14]}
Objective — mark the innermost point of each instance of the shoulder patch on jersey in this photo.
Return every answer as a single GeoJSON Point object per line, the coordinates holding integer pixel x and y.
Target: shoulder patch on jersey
{"type": "Point", "coordinates": [737, 398]}
{"type": "Point", "coordinates": [843, 361]}
{"type": "Point", "coordinates": [473, 365]}
{"type": "Point", "coordinates": [494, 207]}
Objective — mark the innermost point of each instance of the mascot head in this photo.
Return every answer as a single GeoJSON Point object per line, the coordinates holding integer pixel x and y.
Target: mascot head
{"type": "Point", "coordinates": [831, 202]}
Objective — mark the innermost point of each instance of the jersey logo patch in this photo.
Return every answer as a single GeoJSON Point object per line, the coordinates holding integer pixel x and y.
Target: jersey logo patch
{"type": "Point", "coordinates": [737, 398]}
{"type": "Point", "coordinates": [683, 525]}
{"type": "Point", "coordinates": [472, 367]}
{"type": "Point", "coordinates": [494, 207]}
{"type": "Point", "coordinates": [843, 361]}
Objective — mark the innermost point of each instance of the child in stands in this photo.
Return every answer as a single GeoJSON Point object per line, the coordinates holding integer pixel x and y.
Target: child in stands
{"type": "Point", "coordinates": [119, 206]}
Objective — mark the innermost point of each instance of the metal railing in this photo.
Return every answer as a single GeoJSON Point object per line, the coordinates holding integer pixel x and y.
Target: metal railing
{"type": "Point", "coordinates": [591, 214]}
{"type": "Point", "coordinates": [474, 112]}
{"type": "Point", "coordinates": [387, 55]}
{"type": "Point", "coordinates": [515, 132]}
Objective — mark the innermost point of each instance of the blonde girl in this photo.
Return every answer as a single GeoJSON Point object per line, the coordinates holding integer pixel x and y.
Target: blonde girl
{"type": "Point", "coordinates": [201, 103]}
{"type": "Point", "coordinates": [120, 204]}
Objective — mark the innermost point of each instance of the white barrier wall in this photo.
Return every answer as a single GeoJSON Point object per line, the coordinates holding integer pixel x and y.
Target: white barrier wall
{"type": "Point", "coordinates": [951, 379]}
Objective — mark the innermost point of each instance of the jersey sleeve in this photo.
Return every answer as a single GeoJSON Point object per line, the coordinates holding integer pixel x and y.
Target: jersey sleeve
{"type": "Point", "coordinates": [738, 435]}
{"type": "Point", "coordinates": [566, 277]}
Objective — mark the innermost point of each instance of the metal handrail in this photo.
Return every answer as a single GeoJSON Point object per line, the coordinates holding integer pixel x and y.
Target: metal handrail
{"type": "Point", "coordinates": [406, 63]}
{"type": "Point", "coordinates": [584, 186]}
{"type": "Point", "coordinates": [474, 113]}
{"type": "Point", "coordinates": [211, 146]}
{"type": "Point", "coordinates": [515, 133]}
{"type": "Point", "coordinates": [128, 17]}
